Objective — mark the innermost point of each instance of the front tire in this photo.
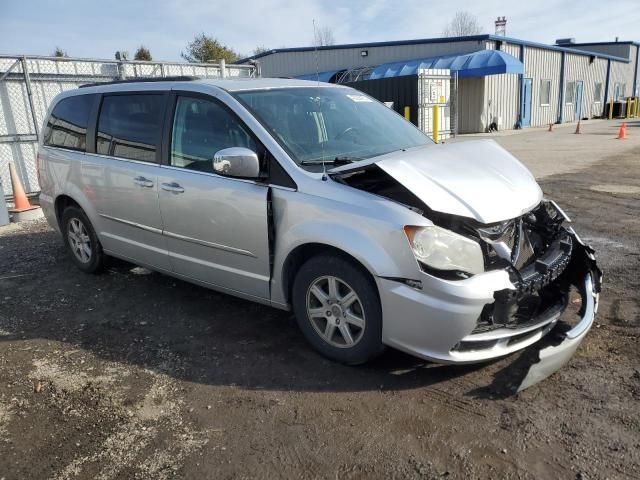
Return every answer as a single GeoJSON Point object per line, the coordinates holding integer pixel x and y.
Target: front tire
{"type": "Point", "coordinates": [81, 241]}
{"type": "Point", "coordinates": [337, 308]}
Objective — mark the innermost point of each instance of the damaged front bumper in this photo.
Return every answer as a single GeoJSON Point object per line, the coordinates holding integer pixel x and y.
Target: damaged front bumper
{"type": "Point", "coordinates": [439, 322]}
{"type": "Point", "coordinates": [564, 340]}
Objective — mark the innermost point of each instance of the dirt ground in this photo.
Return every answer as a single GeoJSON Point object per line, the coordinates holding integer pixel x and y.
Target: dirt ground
{"type": "Point", "coordinates": [126, 375]}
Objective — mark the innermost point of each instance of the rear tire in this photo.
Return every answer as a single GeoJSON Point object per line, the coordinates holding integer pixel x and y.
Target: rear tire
{"type": "Point", "coordinates": [81, 240]}
{"type": "Point", "coordinates": [337, 307]}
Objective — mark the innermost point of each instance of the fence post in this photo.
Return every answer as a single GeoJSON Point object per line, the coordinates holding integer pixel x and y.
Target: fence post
{"type": "Point", "coordinates": [435, 123]}
{"type": "Point", "coordinates": [32, 107]}
{"type": "Point", "coordinates": [223, 68]}
{"type": "Point", "coordinates": [162, 72]}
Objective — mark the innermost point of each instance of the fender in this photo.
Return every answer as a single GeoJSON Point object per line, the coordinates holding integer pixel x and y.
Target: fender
{"type": "Point", "coordinates": [371, 251]}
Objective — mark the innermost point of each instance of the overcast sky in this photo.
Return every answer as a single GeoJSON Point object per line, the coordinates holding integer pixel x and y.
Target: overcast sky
{"type": "Point", "coordinates": [86, 28]}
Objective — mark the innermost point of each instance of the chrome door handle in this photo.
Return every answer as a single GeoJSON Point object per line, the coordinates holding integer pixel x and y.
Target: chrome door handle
{"type": "Point", "coordinates": [172, 187]}
{"type": "Point", "coordinates": [143, 182]}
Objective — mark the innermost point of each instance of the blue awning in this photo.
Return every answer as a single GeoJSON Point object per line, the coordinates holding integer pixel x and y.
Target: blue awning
{"type": "Point", "coordinates": [475, 64]}
{"type": "Point", "coordinates": [322, 76]}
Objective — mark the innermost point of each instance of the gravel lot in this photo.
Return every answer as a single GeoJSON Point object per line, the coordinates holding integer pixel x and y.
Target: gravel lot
{"type": "Point", "coordinates": [129, 375]}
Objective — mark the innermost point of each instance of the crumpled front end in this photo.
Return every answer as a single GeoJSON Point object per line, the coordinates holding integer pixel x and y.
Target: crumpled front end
{"type": "Point", "coordinates": [534, 266]}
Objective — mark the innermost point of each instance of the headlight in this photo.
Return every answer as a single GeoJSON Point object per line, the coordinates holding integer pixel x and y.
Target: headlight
{"type": "Point", "coordinates": [444, 250]}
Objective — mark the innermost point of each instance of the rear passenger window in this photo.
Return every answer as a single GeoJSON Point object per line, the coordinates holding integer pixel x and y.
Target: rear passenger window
{"type": "Point", "coordinates": [201, 128]}
{"type": "Point", "coordinates": [67, 125]}
{"type": "Point", "coordinates": [129, 126]}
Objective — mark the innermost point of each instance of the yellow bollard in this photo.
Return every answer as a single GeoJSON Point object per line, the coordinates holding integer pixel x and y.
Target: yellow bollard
{"type": "Point", "coordinates": [435, 123]}
{"type": "Point", "coordinates": [610, 109]}
{"type": "Point", "coordinates": [628, 107]}
{"type": "Point", "coordinates": [407, 114]}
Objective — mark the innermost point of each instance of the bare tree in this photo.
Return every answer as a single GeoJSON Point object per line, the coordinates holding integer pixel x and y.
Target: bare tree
{"type": "Point", "coordinates": [462, 24]}
{"type": "Point", "coordinates": [260, 49]}
{"type": "Point", "coordinates": [323, 36]}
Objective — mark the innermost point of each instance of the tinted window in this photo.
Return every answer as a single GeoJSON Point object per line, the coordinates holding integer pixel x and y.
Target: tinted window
{"type": "Point", "coordinates": [129, 126]}
{"type": "Point", "coordinates": [201, 128]}
{"type": "Point", "coordinates": [67, 125]}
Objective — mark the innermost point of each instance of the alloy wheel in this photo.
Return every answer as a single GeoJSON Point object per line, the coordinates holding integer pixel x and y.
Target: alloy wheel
{"type": "Point", "coordinates": [335, 311]}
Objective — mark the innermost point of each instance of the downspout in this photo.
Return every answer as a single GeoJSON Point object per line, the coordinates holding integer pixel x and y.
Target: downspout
{"type": "Point", "coordinates": [635, 74]}
{"type": "Point", "coordinates": [606, 89]}
{"type": "Point", "coordinates": [520, 87]}
{"type": "Point", "coordinates": [561, 108]}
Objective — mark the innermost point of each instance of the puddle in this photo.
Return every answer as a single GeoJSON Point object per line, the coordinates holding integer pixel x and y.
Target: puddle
{"type": "Point", "coordinates": [616, 188]}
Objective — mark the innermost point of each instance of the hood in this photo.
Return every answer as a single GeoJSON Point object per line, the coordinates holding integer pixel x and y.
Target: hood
{"type": "Point", "coordinates": [477, 179]}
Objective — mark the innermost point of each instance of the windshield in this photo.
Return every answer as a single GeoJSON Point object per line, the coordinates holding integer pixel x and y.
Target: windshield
{"type": "Point", "coordinates": [330, 125]}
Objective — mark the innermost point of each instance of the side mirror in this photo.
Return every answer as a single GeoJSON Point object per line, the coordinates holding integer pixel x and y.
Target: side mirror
{"type": "Point", "coordinates": [237, 162]}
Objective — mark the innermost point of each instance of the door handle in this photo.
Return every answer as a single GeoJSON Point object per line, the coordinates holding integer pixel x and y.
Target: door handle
{"type": "Point", "coordinates": [143, 182]}
{"type": "Point", "coordinates": [172, 187]}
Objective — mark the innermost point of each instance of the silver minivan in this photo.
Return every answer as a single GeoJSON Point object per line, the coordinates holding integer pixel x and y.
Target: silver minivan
{"type": "Point", "coordinates": [318, 198]}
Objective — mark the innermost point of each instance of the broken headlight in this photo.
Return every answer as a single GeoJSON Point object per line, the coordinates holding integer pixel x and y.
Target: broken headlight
{"type": "Point", "coordinates": [442, 249]}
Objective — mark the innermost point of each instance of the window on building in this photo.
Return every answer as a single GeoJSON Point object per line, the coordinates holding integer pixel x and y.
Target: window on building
{"type": "Point", "coordinates": [623, 90]}
{"type": "Point", "coordinates": [201, 128]}
{"type": "Point", "coordinates": [67, 125]}
{"type": "Point", "coordinates": [616, 92]}
{"type": "Point", "coordinates": [545, 92]}
{"type": "Point", "coordinates": [129, 126]}
{"type": "Point", "coordinates": [597, 92]}
{"type": "Point", "coordinates": [570, 92]}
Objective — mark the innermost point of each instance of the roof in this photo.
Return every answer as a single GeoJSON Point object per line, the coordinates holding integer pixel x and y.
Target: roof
{"type": "Point", "coordinates": [419, 41]}
{"type": "Point", "coordinates": [228, 84]}
{"type": "Point", "coordinates": [623, 42]}
{"type": "Point", "coordinates": [475, 64]}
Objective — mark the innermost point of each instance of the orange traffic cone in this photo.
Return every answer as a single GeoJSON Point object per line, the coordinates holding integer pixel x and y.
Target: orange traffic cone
{"type": "Point", "coordinates": [622, 133]}
{"type": "Point", "coordinates": [550, 127]}
{"type": "Point", "coordinates": [22, 209]}
{"type": "Point", "coordinates": [577, 128]}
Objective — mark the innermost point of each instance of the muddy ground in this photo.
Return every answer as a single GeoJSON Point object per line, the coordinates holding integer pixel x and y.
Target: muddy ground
{"type": "Point", "coordinates": [142, 376]}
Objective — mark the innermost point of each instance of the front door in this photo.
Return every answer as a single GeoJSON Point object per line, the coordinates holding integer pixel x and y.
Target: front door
{"type": "Point", "coordinates": [121, 178]}
{"type": "Point", "coordinates": [216, 226]}
{"type": "Point", "coordinates": [578, 100]}
{"type": "Point", "coordinates": [526, 102]}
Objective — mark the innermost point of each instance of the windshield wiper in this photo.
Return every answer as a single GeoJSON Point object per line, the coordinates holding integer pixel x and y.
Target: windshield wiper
{"type": "Point", "coordinates": [335, 161]}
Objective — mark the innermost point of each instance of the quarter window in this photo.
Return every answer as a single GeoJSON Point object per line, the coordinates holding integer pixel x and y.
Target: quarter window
{"type": "Point", "coordinates": [129, 126]}
{"type": "Point", "coordinates": [570, 92]}
{"type": "Point", "coordinates": [67, 124]}
{"type": "Point", "coordinates": [201, 128]}
{"type": "Point", "coordinates": [545, 92]}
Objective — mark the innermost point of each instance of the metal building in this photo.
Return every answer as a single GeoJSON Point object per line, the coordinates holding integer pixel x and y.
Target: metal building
{"type": "Point", "coordinates": [543, 83]}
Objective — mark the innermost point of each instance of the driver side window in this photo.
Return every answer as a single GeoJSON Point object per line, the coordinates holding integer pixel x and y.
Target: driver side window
{"type": "Point", "coordinates": [201, 128]}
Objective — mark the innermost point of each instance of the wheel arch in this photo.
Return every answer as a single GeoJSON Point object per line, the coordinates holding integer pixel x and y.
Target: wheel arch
{"type": "Point", "coordinates": [299, 255]}
{"type": "Point", "coordinates": [79, 198]}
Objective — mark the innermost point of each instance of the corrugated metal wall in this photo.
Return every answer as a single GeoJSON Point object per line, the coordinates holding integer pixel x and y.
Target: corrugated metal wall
{"type": "Point", "coordinates": [470, 101]}
{"type": "Point", "coordinates": [622, 73]}
{"type": "Point", "coordinates": [541, 64]}
{"type": "Point", "coordinates": [589, 70]}
{"type": "Point", "coordinates": [292, 64]}
{"type": "Point", "coordinates": [614, 49]}
{"type": "Point", "coordinates": [502, 93]}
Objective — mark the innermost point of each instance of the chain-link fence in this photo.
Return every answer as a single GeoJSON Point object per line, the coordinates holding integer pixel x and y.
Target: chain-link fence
{"type": "Point", "coordinates": [29, 84]}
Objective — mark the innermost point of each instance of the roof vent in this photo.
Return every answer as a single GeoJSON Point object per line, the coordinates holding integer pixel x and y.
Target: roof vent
{"type": "Point", "coordinates": [565, 41]}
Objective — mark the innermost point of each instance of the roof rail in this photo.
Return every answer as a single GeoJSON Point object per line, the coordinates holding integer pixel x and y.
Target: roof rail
{"type": "Point", "coordinates": [176, 78]}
